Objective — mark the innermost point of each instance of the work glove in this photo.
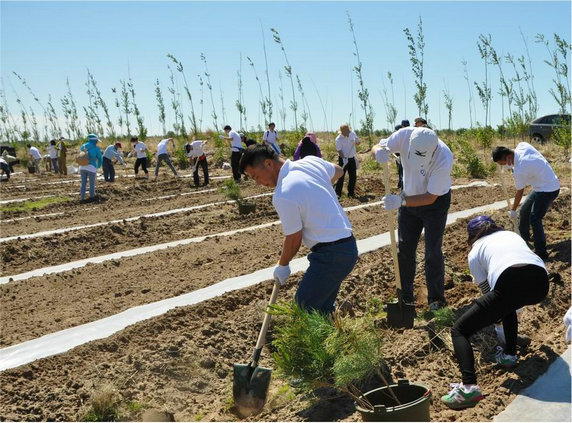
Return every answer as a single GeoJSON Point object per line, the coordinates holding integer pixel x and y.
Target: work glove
{"type": "Point", "coordinates": [391, 202]}
{"type": "Point", "coordinates": [281, 273]}
{"type": "Point", "coordinates": [512, 214]}
{"type": "Point", "coordinates": [221, 137]}
{"type": "Point", "coordinates": [382, 155]}
{"type": "Point", "coordinates": [344, 162]}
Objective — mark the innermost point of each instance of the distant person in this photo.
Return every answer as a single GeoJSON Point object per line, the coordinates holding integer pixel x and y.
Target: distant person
{"type": "Point", "coordinates": [5, 167]}
{"type": "Point", "coordinates": [197, 157]}
{"type": "Point", "coordinates": [62, 156]}
{"type": "Point", "coordinates": [89, 171]}
{"type": "Point", "coordinates": [53, 155]}
{"type": "Point", "coordinates": [110, 153]}
{"type": "Point", "coordinates": [420, 122]}
{"type": "Point", "coordinates": [530, 168]}
{"type": "Point", "coordinates": [247, 141]}
{"type": "Point", "coordinates": [516, 277]}
{"type": "Point", "coordinates": [270, 137]}
{"type": "Point", "coordinates": [346, 143]}
{"type": "Point", "coordinates": [307, 147]}
{"type": "Point", "coordinates": [140, 150]}
{"type": "Point", "coordinates": [236, 150]}
{"type": "Point", "coordinates": [163, 156]}
{"type": "Point", "coordinates": [35, 158]}
{"type": "Point", "coordinates": [9, 159]}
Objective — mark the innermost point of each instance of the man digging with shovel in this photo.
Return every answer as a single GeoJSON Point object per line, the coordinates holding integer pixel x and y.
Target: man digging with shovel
{"type": "Point", "coordinates": [310, 213]}
{"type": "Point", "coordinates": [423, 205]}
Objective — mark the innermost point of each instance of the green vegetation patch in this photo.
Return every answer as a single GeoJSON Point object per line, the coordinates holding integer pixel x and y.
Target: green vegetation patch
{"type": "Point", "coordinates": [32, 205]}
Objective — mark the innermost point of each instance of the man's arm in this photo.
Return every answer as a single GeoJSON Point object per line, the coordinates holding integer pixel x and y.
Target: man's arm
{"type": "Point", "coordinates": [517, 198]}
{"type": "Point", "coordinates": [291, 246]}
{"type": "Point", "coordinates": [420, 200]}
{"type": "Point", "coordinates": [338, 173]}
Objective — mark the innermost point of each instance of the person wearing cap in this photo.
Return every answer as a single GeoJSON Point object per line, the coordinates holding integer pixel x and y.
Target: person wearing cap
{"type": "Point", "coordinates": [140, 150]}
{"type": "Point", "coordinates": [163, 156]}
{"type": "Point", "coordinates": [53, 155]}
{"type": "Point", "coordinates": [89, 171]}
{"type": "Point", "coordinates": [236, 150]}
{"type": "Point", "coordinates": [110, 153]}
{"type": "Point", "coordinates": [197, 157]}
{"type": "Point", "coordinates": [530, 168]}
{"type": "Point", "coordinates": [310, 213]}
{"type": "Point", "coordinates": [420, 122]}
{"type": "Point", "coordinates": [346, 142]}
{"type": "Point", "coordinates": [270, 137]}
{"type": "Point", "coordinates": [35, 157]}
{"type": "Point", "coordinates": [423, 205]}
{"type": "Point", "coordinates": [62, 149]}
{"type": "Point", "coordinates": [516, 277]}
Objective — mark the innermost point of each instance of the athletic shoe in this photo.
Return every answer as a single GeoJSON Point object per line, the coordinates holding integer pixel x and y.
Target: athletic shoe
{"type": "Point", "coordinates": [505, 360]}
{"type": "Point", "coordinates": [437, 305]}
{"type": "Point", "coordinates": [462, 396]}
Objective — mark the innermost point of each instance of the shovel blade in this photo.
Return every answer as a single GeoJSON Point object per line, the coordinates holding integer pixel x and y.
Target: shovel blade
{"type": "Point", "coordinates": [400, 315]}
{"type": "Point", "coordinates": [250, 388]}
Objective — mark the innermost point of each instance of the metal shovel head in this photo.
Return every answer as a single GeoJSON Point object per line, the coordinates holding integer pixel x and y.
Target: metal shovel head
{"type": "Point", "coordinates": [400, 315]}
{"type": "Point", "coordinates": [250, 388]}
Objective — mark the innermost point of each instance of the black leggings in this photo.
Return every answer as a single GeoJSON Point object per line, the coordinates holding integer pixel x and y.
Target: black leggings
{"type": "Point", "coordinates": [515, 288]}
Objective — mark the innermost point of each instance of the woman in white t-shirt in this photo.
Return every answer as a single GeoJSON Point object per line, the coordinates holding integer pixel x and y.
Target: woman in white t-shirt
{"type": "Point", "coordinates": [516, 277]}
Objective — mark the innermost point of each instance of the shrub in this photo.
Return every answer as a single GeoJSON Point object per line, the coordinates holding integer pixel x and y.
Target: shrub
{"type": "Point", "coordinates": [103, 405]}
{"type": "Point", "coordinates": [231, 190]}
{"type": "Point", "coordinates": [562, 136]}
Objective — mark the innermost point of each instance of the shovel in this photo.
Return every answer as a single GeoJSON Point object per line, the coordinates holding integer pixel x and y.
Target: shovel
{"type": "Point", "coordinates": [399, 314]}
{"type": "Point", "coordinates": [509, 206]}
{"type": "Point", "coordinates": [251, 382]}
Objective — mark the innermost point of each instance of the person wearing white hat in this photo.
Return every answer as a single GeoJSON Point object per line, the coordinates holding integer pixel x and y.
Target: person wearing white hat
{"type": "Point", "coordinates": [423, 205]}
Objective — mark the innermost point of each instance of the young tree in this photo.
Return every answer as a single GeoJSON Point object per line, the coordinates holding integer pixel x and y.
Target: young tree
{"type": "Point", "coordinates": [161, 106]}
{"type": "Point", "coordinates": [210, 87]}
{"type": "Point", "coordinates": [448, 100]}
{"type": "Point", "coordinates": [239, 104]}
{"type": "Point", "coordinates": [484, 89]}
{"type": "Point", "coordinates": [390, 109]}
{"type": "Point", "coordinates": [189, 96]}
{"type": "Point", "coordinates": [416, 56]}
{"type": "Point", "coordinates": [262, 100]}
{"type": "Point", "coordinates": [559, 63]}
{"type": "Point", "coordinates": [288, 70]}
{"type": "Point", "coordinates": [466, 76]}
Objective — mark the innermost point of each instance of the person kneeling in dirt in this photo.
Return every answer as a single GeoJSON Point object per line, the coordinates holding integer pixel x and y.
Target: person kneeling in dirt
{"type": "Point", "coordinates": [197, 157]}
{"type": "Point", "coordinates": [423, 205]}
{"type": "Point", "coordinates": [530, 168]}
{"type": "Point", "coordinates": [310, 213]}
{"type": "Point", "coordinates": [517, 277]}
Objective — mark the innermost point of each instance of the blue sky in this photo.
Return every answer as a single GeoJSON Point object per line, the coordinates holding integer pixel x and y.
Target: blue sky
{"type": "Point", "coordinates": [47, 42]}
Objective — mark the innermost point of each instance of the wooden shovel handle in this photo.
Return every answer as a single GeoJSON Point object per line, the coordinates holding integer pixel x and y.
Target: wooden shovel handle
{"type": "Point", "coordinates": [266, 321]}
{"type": "Point", "coordinates": [505, 192]}
{"type": "Point", "coordinates": [391, 229]}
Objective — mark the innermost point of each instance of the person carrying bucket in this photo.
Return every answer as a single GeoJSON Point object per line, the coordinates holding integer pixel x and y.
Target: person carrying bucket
{"type": "Point", "coordinates": [516, 277]}
{"type": "Point", "coordinates": [423, 205]}
{"type": "Point", "coordinates": [310, 213]}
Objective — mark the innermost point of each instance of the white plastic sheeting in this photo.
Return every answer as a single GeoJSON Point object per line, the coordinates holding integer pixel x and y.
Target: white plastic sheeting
{"type": "Point", "coordinates": [62, 341]}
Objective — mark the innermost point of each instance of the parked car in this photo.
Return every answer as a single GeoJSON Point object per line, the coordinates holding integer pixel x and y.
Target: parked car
{"type": "Point", "coordinates": [541, 128]}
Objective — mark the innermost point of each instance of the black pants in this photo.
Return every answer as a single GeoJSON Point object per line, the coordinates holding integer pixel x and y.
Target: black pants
{"type": "Point", "coordinates": [234, 163]}
{"type": "Point", "coordinates": [515, 288]}
{"type": "Point", "coordinates": [6, 169]}
{"type": "Point", "coordinates": [108, 170]}
{"type": "Point", "coordinates": [143, 163]}
{"type": "Point", "coordinates": [202, 163]}
{"type": "Point", "coordinates": [351, 169]}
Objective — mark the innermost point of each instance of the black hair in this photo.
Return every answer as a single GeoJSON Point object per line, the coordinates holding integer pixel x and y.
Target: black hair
{"type": "Point", "coordinates": [53, 142]}
{"type": "Point", "coordinates": [500, 153]}
{"type": "Point", "coordinates": [227, 127]}
{"type": "Point", "coordinates": [254, 155]}
{"type": "Point", "coordinates": [271, 124]}
{"type": "Point", "coordinates": [133, 139]}
{"type": "Point", "coordinates": [484, 230]}
{"type": "Point", "coordinates": [29, 145]}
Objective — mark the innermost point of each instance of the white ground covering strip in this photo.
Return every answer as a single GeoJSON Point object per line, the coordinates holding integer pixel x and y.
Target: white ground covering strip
{"type": "Point", "coordinates": [129, 219]}
{"type": "Point", "coordinates": [20, 200]}
{"type": "Point", "coordinates": [62, 341]}
{"type": "Point", "coordinates": [16, 219]}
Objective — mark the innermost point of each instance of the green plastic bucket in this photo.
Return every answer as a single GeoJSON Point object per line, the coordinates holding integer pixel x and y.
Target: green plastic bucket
{"type": "Point", "coordinates": [415, 400]}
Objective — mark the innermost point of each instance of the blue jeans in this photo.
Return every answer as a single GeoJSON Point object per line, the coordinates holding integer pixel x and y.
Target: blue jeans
{"type": "Point", "coordinates": [329, 265]}
{"type": "Point", "coordinates": [84, 175]}
{"type": "Point", "coordinates": [532, 212]}
{"type": "Point", "coordinates": [411, 221]}
{"type": "Point", "coordinates": [55, 165]}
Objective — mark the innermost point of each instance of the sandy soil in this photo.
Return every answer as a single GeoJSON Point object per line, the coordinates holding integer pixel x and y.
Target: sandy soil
{"type": "Point", "coordinates": [182, 361]}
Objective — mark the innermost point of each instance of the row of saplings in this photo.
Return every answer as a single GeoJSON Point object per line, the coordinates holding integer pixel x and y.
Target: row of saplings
{"type": "Point", "coordinates": [316, 351]}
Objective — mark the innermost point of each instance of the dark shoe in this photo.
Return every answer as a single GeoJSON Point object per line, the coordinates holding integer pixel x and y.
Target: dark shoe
{"type": "Point", "coordinates": [437, 305]}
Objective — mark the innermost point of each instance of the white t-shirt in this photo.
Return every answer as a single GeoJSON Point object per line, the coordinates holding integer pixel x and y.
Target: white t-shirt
{"type": "Point", "coordinates": [531, 168]}
{"type": "Point", "coordinates": [436, 179]}
{"type": "Point", "coordinates": [197, 150]}
{"type": "Point", "coordinates": [35, 153]}
{"type": "Point", "coordinates": [305, 200]}
{"type": "Point", "coordinates": [140, 149]}
{"type": "Point", "coordinates": [493, 254]}
{"type": "Point", "coordinates": [347, 145]}
{"type": "Point", "coordinates": [162, 147]}
{"type": "Point", "coordinates": [236, 143]}
{"type": "Point", "coordinates": [52, 152]}
{"type": "Point", "coordinates": [270, 136]}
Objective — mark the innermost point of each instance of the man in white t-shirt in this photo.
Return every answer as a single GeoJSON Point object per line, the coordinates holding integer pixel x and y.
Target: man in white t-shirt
{"type": "Point", "coordinates": [311, 214]}
{"type": "Point", "coordinates": [423, 205]}
{"type": "Point", "coordinates": [163, 155]}
{"type": "Point", "coordinates": [35, 157]}
{"type": "Point", "coordinates": [530, 168]}
{"type": "Point", "coordinates": [270, 137]}
{"type": "Point", "coordinates": [197, 157]}
{"type": "Point", "coordinates": [346, 143]}
{"type": "Point", "coordinates": [235, 150]}
{"type": "Point", "coordinates": [140, 150]}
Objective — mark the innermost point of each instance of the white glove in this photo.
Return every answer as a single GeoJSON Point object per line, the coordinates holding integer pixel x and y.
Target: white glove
{"type": "Point", "coordinates": [221, 137]}
{"type": "Point", "coordinates": [512, 214]}
{"type": "Point", "coordinates": [391, 202]}
{"type": "Point", "coordinates": [344, 162]}
{"type": "Point", "coordinates": [382, 155]}
{"type": "Point", "coordinates": [281, 273]}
